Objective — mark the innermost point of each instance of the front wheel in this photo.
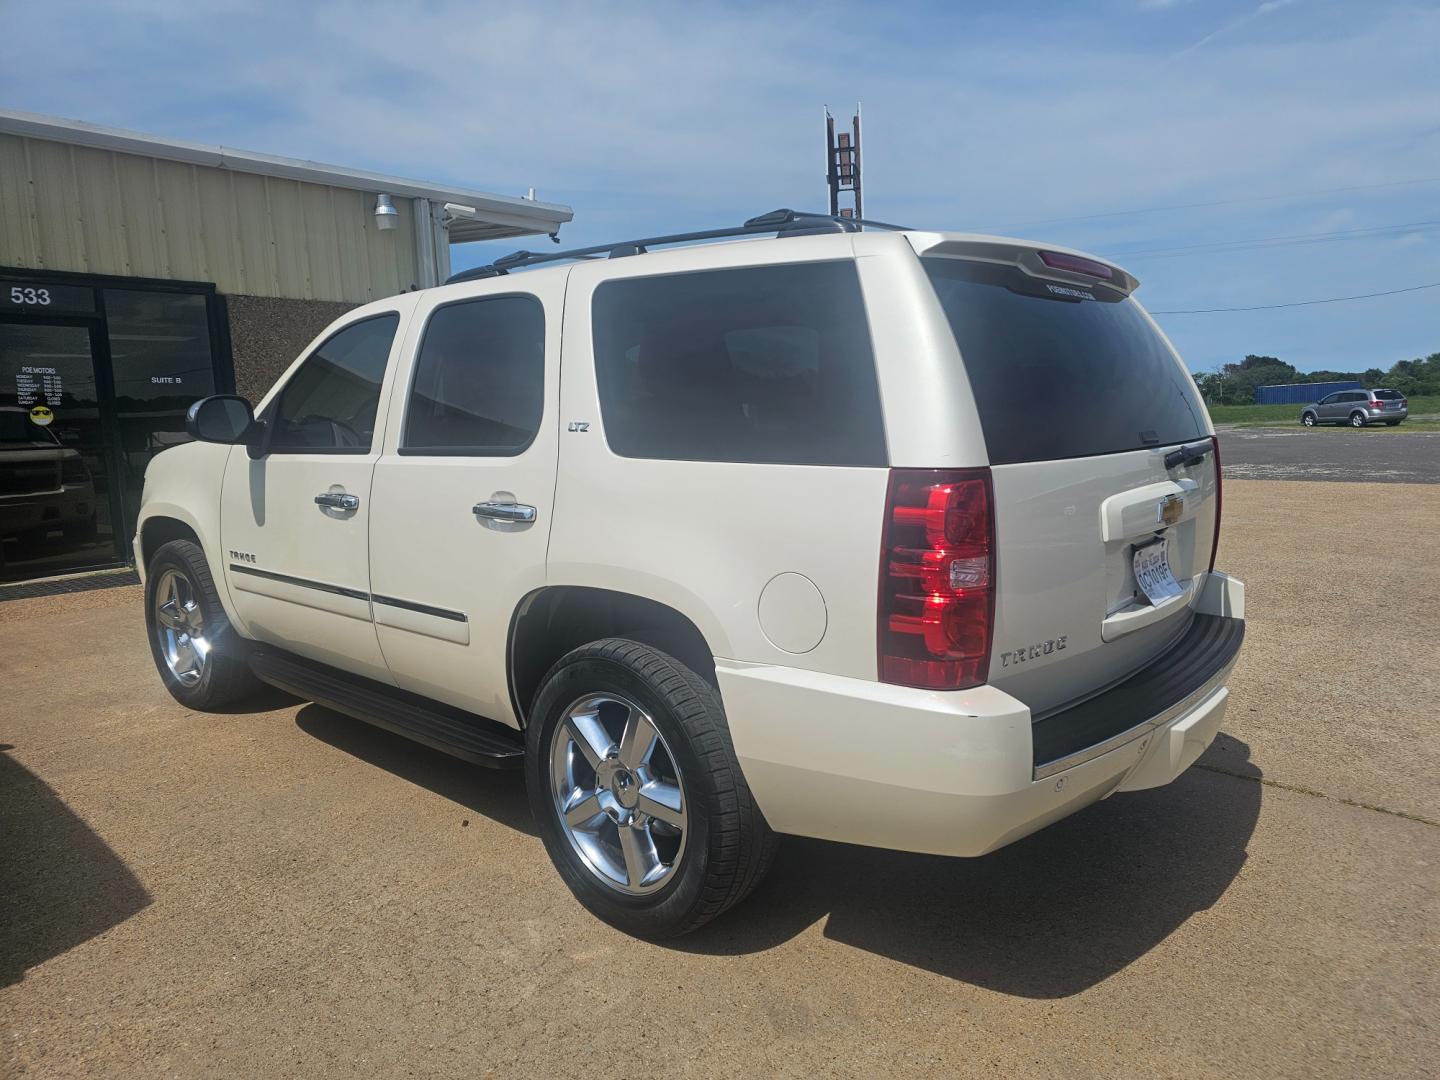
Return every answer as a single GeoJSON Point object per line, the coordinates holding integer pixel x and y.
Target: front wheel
{"type": "Point", "coordinates": [1357, 419]}
{"type": "Point", "coordinates": [199, 656]}
{"type": "Point", "coordinates": [1308, 419]}
{"type": "Point", "coordinates": [639, 797]}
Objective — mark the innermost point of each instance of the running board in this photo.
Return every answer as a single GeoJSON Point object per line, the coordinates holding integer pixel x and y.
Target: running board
{"type": "Point", "coordinates": [441, 727]}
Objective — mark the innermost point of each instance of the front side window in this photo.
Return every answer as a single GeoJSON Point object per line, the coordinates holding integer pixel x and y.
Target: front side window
{"type": "Point", "coordinates": [1329, 399]}
{"type": "Point", "coordinates": [479, 379]}
{"type": "Point", "coordinates": [329, 403]}
{"type": "Point", "coordinates": [758, 364]}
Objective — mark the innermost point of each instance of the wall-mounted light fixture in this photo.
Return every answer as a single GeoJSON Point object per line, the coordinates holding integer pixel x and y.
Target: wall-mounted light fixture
{"type": "Point", "coordinates": [386, 216]}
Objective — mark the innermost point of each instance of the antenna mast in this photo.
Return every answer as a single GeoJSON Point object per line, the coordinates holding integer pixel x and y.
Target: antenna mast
{"type": "Point", "coordinates": [842, 168]}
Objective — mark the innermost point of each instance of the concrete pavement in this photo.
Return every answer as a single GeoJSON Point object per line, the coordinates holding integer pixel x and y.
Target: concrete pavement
{"type": "Point", "coordinates": [286, 892]}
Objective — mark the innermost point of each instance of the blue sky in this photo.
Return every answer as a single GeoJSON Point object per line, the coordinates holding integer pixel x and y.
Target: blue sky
{"type": "Point", "coordinates": [1292, 119]}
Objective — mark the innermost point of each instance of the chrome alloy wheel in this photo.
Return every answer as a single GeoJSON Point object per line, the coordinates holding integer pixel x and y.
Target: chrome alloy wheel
{"type": "Point", "coordinates": [618, 793]}
{"type": "Point", "coordinates": [180, 627]}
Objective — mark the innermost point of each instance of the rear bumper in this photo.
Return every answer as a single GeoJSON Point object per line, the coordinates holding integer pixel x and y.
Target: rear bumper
{"type": "Point", "coordinates": [952, 773]}
{"type": "Point", "coordinates": [1387, 414]}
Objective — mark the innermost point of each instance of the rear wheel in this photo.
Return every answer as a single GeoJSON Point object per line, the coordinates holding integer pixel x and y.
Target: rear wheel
{"type": "Point", "coordinates": [637, 791]}
{"type": "Point", "coordinates": [1357, 419]}
{"type": "Point", "coordinates": [1308, 419]}
{"type": "Point", "coordinates": [199, 656]}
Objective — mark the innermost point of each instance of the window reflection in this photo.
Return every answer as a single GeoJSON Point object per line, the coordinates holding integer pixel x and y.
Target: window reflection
{"type": "Point", "coordinates": [162, 363]}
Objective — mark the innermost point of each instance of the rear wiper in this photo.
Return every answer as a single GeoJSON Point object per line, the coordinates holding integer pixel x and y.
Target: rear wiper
{"type": "Point", "coordinates": [1189, 455]}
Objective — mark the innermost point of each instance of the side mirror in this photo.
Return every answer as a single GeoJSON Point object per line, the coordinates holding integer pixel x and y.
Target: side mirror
{"type": "Point", "coordinates": [223, 418]}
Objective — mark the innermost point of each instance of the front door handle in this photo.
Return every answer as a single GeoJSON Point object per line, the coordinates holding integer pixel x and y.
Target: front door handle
{"type": "Point", "coordinates": [503, 511]}
{"type": "Point", "coordinates": [336, 501]}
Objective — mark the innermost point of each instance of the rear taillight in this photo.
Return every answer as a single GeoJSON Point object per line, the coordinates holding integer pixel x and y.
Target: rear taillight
{"type": "Point", "coordinates": [1377, 404]}
{"type": "Point", "coordinates": [1076, 264]}
{"type": "Point", "coordinates": [1219, 492]}
{"type": "Point", "coordinates": [937, 578]}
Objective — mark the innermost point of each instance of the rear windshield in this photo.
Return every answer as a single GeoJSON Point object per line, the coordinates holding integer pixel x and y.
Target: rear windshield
{"type": "Point", "coordinates": [1061, 371]}
{"type": "Point", "coordinates": [1388, 395]}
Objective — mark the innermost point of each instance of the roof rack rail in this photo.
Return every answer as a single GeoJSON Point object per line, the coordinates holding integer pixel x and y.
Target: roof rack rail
{"type": "Point", "coordinates": [781, 222]}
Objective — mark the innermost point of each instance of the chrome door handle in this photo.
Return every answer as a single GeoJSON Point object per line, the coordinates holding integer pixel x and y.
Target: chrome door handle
{"type": "Point", "coordinates": [337, 501]}
{"type": "Point", "coordinates": [501, 511]}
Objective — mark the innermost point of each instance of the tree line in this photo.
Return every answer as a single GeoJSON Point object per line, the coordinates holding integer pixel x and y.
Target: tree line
{"type": "Point", "coordinates": [1234, 384]}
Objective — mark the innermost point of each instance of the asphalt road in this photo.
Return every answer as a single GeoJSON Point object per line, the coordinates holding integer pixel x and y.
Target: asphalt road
{"type": "Point", "coordinates": [284, 892]}
{"type": "Point", "coordinates": [1369, 455]}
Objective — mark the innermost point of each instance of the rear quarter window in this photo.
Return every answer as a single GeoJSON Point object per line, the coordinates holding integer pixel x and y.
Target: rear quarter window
{"type": "Point", "coordinates": [755, 364]}
{"type": "Point", "coordinates": [1060, 371]}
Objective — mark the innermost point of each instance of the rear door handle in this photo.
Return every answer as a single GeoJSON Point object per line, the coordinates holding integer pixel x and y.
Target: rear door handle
{"type": "Point", "coordinates": [502, 511]}
{"type": "Point", "coordinates": [336, 501]}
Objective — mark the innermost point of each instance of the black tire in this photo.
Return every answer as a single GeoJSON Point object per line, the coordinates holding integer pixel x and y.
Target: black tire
{"type": "Point", "coordinates": [1309, 419]}
{"type": "Point", "coordinates": [225, 676]}
{"type": "Point", "coordinates": [728, 845]}
{"type": "Point", "coordinates": [1357, 419]}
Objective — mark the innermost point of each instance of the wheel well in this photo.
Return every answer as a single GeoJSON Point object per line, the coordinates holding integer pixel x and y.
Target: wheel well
{"type": "Point", "coordinates": [551, 622]}
{"type": "Point", "coordinates": [161, 530]}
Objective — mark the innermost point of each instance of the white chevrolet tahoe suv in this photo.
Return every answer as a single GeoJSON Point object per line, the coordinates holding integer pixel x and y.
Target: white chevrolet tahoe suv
{"type": "Point", "coordinates": [891, 537]}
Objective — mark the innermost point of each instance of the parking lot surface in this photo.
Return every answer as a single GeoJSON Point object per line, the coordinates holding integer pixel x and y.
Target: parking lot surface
{"type": "Point", "coordinates": [286, 892]}
{"type": "Point", "coordinates": [1371, 455]}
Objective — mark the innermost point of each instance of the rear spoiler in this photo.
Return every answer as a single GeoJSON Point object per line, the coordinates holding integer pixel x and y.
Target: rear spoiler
{"type": "Point", "coordinates": [1037, 260]}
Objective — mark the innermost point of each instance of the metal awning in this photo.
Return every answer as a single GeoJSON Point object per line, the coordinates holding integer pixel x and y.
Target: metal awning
{"type": "Point", "coordinates": [475, 215]}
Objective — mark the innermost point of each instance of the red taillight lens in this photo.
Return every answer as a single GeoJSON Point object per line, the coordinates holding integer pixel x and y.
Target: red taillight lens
{"type": "Point", "coordinates": [1215, 543]}
{"type": "Point", "coordinates": [937, 578]}
{"type": "Point", "coordinates": [1376, 404]}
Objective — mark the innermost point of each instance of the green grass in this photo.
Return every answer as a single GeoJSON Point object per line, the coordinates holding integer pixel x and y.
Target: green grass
{"type": "Point", "coordinates": [1252, 415]}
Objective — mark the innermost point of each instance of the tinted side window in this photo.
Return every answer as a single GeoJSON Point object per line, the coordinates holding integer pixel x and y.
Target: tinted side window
{"type": "Point", "coordinates": [759, 364]}
{"type": "Point", "coordinates": [1328, 399]}
{"type": "Point", "coordinates": [479, 380]}
{"type": "Point", "coordinates": [1356, 395]}
{"type": "Point", "coordinates": [330, 401]}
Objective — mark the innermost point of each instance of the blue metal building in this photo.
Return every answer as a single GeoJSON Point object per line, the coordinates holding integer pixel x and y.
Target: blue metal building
{"type": "Point", "coordinates": [1301, 393]}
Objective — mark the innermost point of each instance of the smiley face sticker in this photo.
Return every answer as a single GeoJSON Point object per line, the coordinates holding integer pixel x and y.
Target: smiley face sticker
{"type": "Point", "coordinates": [41, 416]}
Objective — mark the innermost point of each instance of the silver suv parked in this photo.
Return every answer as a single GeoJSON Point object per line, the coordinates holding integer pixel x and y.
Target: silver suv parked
{"type": "Point", "coordinates": [1357, 408]}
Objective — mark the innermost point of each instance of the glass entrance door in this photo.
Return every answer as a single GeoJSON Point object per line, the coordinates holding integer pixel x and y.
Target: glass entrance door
{"type": "Point", "coordinates": [59, 505]}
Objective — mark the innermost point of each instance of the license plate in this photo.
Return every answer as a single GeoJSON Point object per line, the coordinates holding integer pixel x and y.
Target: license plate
{"type": "Point", "coordinates": [1153, 573]}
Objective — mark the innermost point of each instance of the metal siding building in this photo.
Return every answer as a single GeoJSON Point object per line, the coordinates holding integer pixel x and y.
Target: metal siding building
{"type": "Point", "coordinates": [1300, 393]}
{"type": "Point", "coordinates": [138, 274]}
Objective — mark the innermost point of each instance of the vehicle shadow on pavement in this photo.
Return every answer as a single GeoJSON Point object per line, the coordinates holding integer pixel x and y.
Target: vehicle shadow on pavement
{"type": "Point", "coordinates": [60, 884]}
{"type": "Point", "coordinates": [498, 794]}
{"type": "Point", "coordinates": [1046, 917]}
